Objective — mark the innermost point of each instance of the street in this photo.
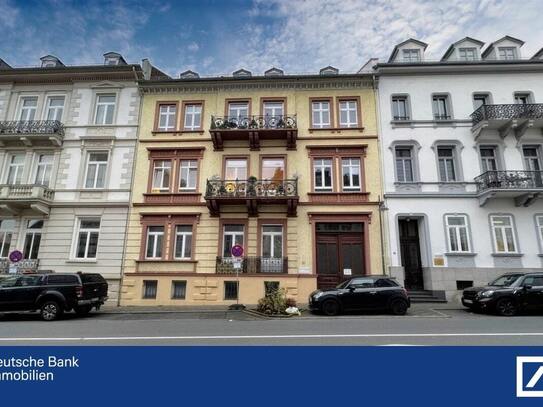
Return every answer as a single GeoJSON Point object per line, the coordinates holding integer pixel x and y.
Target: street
{"type": "Point", "coordinates": [424, 325]}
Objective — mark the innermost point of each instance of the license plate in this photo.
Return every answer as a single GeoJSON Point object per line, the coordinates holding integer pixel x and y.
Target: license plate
{"type": "Point", "coordinates": [468, 301]}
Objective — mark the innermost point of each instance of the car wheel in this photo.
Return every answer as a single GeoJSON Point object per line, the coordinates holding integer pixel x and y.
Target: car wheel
{"type": "Point", "coordinates": [506, 307]}
{"type": "Point", "coordinates": [330, 308]}
{"type": "Point", "coordinates": [399, 307]}
{"type": "Point", "coordinates": [83, 310]}
{"type": "Point", "coordinates": [50, 310]}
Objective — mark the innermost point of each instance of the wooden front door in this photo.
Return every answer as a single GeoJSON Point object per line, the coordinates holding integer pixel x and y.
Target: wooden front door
{"type": "Point", "coordinates": [410, 253]}
{"type": "Point", "coordinates": [340, 255]}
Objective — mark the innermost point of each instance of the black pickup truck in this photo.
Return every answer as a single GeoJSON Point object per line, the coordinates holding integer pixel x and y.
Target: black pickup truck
{"type": "Point", "coordinates": [53, 294]}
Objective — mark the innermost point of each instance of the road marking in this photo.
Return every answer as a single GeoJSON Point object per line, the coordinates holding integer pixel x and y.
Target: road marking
{"type": "Point", "coordinates": [294, 336]}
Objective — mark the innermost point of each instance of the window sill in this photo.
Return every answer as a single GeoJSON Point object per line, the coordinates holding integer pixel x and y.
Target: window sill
{"type": "Point", "coordinates": [165, 261]}
{"type": "Point", "coordinates": [174, 132]}
{"type": "Point", "coordinates": [461, 254]}
{"type": "Point", "coordinates": [507, 254]}
{"type": "Point", "coordinates": [335, 129]}
{"type": "Point", "coordinates": [82, 261]}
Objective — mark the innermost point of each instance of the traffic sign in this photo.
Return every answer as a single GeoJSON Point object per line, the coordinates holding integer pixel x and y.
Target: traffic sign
{"type": "Point", "coordinates": [15, 256]}
{"type": "Point", "coordinates": [237, 250]}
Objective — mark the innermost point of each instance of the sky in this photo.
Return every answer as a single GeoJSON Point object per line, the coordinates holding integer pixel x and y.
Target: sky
{"type": "Point", "coordinates": [216, 37]}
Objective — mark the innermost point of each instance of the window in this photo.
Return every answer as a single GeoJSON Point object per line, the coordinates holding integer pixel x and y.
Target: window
{"type": "Point", "coordinates": [238, 110]}
{"type": "Point", "coordinates": [179, 290]}
{"type": "Point", "coordinates": [273, 169]}
{"type": "Point", "coordinates": [96, 170]}
{"type": "Point", "coordinates": [232, 235]}
{"type": "Point", "coordinates": [62, 280]}
{"type": "Point", "coordinates": [43, 170]}
{"type": "Point", "coordinates": [55, 108]}
{"type": "Point", "coordinates": [400, 110]}
{"type": "Point", "coordinates": [6, 232]}
{"type": "Point", "coordinates": [534, 281]}
{"type": "Point", "coordinates": [193, 117]}
{"type": "Point", "coordinates": [188, 175]}
{"type": "Point", "coordinates": [161, 175]}
{"type": "Point", "coordinates": [457, 233]}
{"type": "Point", "coordinates": [348, 113]}
{"type": "Point", "coordinates": [150, 289]}
{"type": "Point", "coordinates": [441, 107]}
{"type": "Point", "coordinates": [29, 106]}
{"type": "Point", "coordinates": [15, 169]}
{"type": "Point", "coordinates": [272, 241]}
{"type": "Point", "coordinates": [273, 109]}
{"type": "Point", "coordinates": [522, 98]}
{"type": "Point", "coordinates": [236, 169]}
{"type": "Point", "coordinates": [503, 233]}
{"type": "Point", "coordinates": [322, 172]}
{"type": "Point", "coordinates": [507, 52]}
{"type": "Point", "coordinates": [489, 161]}
{"type": "Point", "coordinates": [404, 164]}
{"type": "Point", "coordinates": [270, 287]}
{"type": "Point", "coordinates": [105, 108]}
{"type": "Point", "coordinates": [231, 290]}
{"type": "Point", "coordinates": [447, 165]}
{"type": "Point", "coordinates": [539, 224]}
{"type": "Point", "coordinates": [167, 115]}
{"type": "Point", "coordinates": [480, 99]}
{"type": "Point", "coordinates": [87, 238]}
{"type": "Point", "coordinates": [532, 158]}
{"type": "Point", "coordinates": [411, 55]}
{"type": "Point", "coordinates": [350, 170]}
{"type": "Point", "coordinates": [155, 241]}
{"type": "Point", "coordinates": [467, 54]}
{"type": "Point", "coordinates": [32, 239]}
{"type": "Point", "coordinates": [321, 114]}
{"type": "Point", "coordinates": [183, 242]}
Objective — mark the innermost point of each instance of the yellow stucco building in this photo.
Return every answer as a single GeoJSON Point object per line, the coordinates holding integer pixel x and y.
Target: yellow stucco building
{"type": "Point", "coordinates": [285, 166]}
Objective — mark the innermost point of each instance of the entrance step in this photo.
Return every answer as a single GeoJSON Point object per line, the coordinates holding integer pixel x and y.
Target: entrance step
{"type": "Point", "coordinates": [422, 296]}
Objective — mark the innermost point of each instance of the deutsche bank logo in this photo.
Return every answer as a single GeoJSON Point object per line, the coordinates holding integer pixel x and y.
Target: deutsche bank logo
{"type": "Point", "coordinates": [529, 376]}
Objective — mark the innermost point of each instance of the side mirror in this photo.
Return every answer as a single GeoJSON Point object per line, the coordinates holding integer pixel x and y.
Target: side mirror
{"type": "Point", "coordinates": [352, 288]}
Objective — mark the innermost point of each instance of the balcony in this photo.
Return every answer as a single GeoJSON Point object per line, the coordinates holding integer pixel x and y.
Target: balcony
{"type": "Point", "coordinates": [32, 132]}
{"type": "Point", "coordinates": [24, 266]}
{"type": "Point", "coordinates": [522, 186]}
{"type": "Point", "coordinates": [16, 198]}
{"type": "Point", "coordinates": [253, 129]}
{"type": "Point", "coordinates": [252, 265]}
{"type": "Point", "coordinates": [507, 119]}
{"type": "Point", "coordinates": [251, 193]}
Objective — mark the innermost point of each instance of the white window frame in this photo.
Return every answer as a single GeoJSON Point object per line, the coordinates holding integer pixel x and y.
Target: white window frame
{"type": "Point", "coordinates": [170, 114]}
{"type": "Point", "coordinates": [33, 232]}
{"type": "Point", "coordinates": [186, 167]}
{"type": "Point", "coordinates": [539, 226]}
{"type": "Point", "coordinates": [478, 96]}
{"type": "Point", "coordinates": [99, 165]}
{"type": "Point", "coordinates": [234, 234]}
{"type": "Point", "coordinates": [273, 235]}
{"type": "Point", "coordinates": [273, 108]}
{"type": "Point", "coordinates": [349, 107]}
{"type": "Point", "coordinates": [467, 54]}
{"type": "Point", "coordinates": [184, 245]}
{"type": "Point", "coordinates": [48, 166]}
{"type": "Point", "coordinates": [88, 231]}
{"type": "Point", "coordinates": [58, 110]}
{"type": "Point", "coordinates": [497, 229]}
{"type": "Point", "coordinates": [397, 100]}
{"type": "Point", "coordinates": [107, 106]}
{"type": "Point", "coordinates": [320, 166]}
{"type": "Point", "coordinates": [453, 159]}
{"type": "Point", "coordinates": [192, 112]}
{"type": "Point", "coordinates": [507, 53]}
{"type": "Point", "coordinates": [403, 161]}
{"type": "Point", "coordinates": [441, 107]}
{"type": "Point", "coordinates": [485, 160]}
{"type": "Point", "coordinates": [19, 169]}
{"type": "Point", "coordinates": [321, 107]}
{"type": "Point", "coordinates": [411, 55]}
{"type": "Point", "coordinates": [351, 163]}
{"type": "Point", "coordinates": [5, 244]}
{"type": "Point", "coordinates": [235, 110]}
{"type": "Point", "coordinates": [456, 229]}
{"type": "Point", "coordinates": [236, 168]}
{"type": "Point", "coordinates": [28, 113]}
{"type": "Point", "coordinates": [162, 170]}
{"type": "Point", "coordinates": [155, 235]}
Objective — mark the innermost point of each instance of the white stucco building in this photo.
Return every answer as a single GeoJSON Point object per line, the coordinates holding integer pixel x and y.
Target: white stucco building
{"type": "Point", "coordinates": [462, 151]}
{"type": "Point", "coordinates": [67, 139]}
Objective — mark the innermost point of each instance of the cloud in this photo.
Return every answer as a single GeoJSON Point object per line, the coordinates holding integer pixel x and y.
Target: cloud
{"type": "Point", "coordinates": [9, 14]}
{"type": "Point", "coordinates": [193, 47]}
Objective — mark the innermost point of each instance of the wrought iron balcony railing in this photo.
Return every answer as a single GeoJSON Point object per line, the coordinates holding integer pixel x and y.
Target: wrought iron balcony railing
{"type": "Point", "coordinates": [507, 112]}
{"type": "Point", "coordinates": [252, 265]}
{"type": "Point", "coordinates": [266, 122]}
{"type": "Point", "coordinates": [22, 127]}
{"type": "Point", "coordinates": [251, 188]}
{"type": "Point", "coordinates": [24, 266]}
{"type": "Point", "coordinates": [509, 180]}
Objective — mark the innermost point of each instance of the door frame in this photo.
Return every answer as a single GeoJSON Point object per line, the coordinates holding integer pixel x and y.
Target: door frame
{"type": "Point", "coordinates": [418, 245]}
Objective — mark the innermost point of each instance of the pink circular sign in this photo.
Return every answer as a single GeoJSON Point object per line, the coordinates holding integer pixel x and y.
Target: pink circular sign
{"type": "Point", "coordinates": [15, 256]}
{"type": "Point", "coordinates": [237, 250]}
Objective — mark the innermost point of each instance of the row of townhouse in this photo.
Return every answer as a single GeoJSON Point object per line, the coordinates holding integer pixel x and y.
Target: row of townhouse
{"type": "Point", "coordinates": [426, 170]}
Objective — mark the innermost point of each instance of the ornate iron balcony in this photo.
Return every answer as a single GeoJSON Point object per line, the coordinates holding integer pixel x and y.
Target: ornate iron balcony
{"type": "Point", "coordinates": [21, 127]}
{"type": "Point", "coordinates": [507, 112]}
{"type": "Point", "coordinates": [509, 180]}
{"type": "Point", "coordinates": [253, 122]}
{"type": "Point", "coordinates": [252, 265]}
{"type": "Point", "coordinates": [24, 266]}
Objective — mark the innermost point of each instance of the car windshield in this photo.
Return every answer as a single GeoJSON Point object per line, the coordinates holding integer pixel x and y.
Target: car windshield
{"type": "Point", "coordinates": [505, 281]}
{"type": "Point", "coordinates": [344, 284]}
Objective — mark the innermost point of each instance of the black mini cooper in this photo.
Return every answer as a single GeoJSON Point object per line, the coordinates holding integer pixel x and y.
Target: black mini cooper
{"type": "Point", "coordinates": [359, 294]}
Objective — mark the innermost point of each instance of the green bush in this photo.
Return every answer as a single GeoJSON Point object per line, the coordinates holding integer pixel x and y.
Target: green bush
{"type": "Point", "coordinates": [274, 303]}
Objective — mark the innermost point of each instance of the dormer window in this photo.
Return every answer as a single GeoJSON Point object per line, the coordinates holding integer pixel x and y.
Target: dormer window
{"type": "Point", "coordinates": [467, 54]}
{"type": "Point", "coordinates": [507, 53]}
{"type": "Point", "coordinates": [411, 55]}
{"type": "Point", "coordinates": [112, 61]}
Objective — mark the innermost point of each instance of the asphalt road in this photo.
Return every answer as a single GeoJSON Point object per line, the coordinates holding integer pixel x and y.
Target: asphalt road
{"type": "Point", "coordinates": [422, 326]}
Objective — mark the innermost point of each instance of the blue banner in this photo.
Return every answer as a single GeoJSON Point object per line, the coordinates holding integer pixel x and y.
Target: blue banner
{"type": "Point", "coordinates": [278, 376]}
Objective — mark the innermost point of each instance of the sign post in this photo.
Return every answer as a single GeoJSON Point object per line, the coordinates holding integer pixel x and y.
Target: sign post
{"type": "Point", "coordinates": [237, 254]}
